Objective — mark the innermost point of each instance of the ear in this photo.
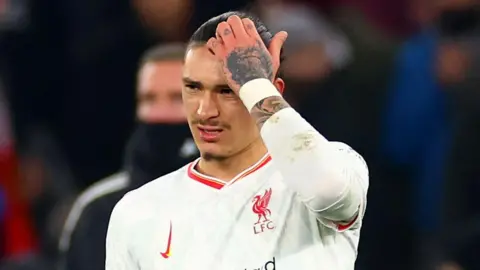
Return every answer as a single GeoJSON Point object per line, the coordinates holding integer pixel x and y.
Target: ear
{"type": "Point", "coordinates": [279, 84]}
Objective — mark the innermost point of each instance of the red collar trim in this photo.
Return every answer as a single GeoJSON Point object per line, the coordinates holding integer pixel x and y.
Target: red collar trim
{"type": "Point", "coordinates": [219, 184]}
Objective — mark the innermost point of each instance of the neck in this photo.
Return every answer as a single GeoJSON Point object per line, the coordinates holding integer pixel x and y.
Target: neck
{"type": "Point", "coordinates": [230, 167]}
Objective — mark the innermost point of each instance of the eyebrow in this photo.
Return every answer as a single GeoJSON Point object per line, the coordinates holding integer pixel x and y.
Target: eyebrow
{"type": "Point", "coordinates": [198, 84]}
{"type": "Point", "coordinates": [187, 80]}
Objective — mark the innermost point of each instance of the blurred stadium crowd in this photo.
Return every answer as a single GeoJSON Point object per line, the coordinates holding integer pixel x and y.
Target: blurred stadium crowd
{"type": "Point", "coordinates": [397, 80]}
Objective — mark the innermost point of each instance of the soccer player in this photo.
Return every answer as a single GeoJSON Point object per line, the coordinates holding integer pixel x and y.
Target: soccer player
{"type": "Point", "coordinates": [269, 191]}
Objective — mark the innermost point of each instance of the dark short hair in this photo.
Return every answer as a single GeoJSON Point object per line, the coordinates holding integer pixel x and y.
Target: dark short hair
{"type": "Point", "coordinates": [164, 52]}
{"type": "Point", "coordinates": [209, 28]}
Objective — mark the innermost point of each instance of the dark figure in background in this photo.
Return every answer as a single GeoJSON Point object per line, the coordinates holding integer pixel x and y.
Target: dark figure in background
{"type": "Point", "coordinates": [162, 133]}
{"type": "Point", "coordinates": [431, 124]}
{"type": "Point", "coordinates": [458, 70]}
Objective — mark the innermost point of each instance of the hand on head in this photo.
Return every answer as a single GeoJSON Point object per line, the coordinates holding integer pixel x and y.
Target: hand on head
{"type": "Point", "coordinates": [243, 55]}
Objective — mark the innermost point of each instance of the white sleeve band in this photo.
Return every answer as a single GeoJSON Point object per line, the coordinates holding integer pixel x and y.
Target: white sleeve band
{"type": "Point", "coordinates": [256, 90]}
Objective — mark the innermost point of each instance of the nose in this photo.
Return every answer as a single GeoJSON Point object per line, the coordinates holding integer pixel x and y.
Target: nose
{"type": "Point", "coordinates": [208, 106]}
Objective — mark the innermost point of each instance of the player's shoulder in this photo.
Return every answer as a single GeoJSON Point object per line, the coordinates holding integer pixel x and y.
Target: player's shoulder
{"type": "Point", "coordinates": [163, 184]}
{"type": "Point", "coordinates": [148, 196]}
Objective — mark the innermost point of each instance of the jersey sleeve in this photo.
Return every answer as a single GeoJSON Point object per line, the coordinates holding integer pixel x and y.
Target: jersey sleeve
{"type": "Point", "coordinates": [328, 177]}
{"type": "Point", "coordinates": [357, 171]}
{"type": "Point", "coordinates": [118, 254]}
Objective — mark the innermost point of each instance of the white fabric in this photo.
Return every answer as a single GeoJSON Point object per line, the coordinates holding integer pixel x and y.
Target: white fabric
{"type": "Point", "coordinates": [256, 90]}
{"type": "Point", "coordinates": [215, 228]}
{"type": "Point", "coordinates": [337, 175]}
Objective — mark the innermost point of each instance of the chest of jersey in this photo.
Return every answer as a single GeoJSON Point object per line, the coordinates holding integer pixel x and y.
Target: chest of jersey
{"type": "Point", "coordinates": [255, 224]}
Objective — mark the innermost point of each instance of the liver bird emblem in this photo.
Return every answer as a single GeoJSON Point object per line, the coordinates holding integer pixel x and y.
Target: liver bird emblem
{"type": "Point", "coordinates": [260, 205]}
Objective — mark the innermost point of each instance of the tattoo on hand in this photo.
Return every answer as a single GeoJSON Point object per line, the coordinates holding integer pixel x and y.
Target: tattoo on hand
{"type": "Point", "coordinates": [227, 32]}
{"type": "Point", "coordinates": [249, 63]}
{"type": "Point", "coordinates": [267, 107]}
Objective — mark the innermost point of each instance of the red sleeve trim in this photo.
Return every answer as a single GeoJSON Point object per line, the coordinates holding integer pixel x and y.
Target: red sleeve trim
{"type": "Point", "coordinates": [345, 227]}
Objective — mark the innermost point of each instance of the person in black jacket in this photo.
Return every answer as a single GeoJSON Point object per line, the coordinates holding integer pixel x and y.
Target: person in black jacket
{"type": "Point", "coordinates": [162, 133]}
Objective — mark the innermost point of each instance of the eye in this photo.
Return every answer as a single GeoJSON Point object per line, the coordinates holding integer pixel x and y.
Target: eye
{"type": "Point", "coordinates": [191, 86]}
{"type": "Point", "coordinates": [226, 91]}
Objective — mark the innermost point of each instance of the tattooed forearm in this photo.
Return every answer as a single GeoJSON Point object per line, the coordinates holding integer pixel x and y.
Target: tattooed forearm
{"type": "Point", "coordinates": [249, 63]}
{"type": "Point", "coordinates": [267, 107]}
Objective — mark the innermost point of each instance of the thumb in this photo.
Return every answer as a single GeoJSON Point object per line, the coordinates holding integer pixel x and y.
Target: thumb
{"type": "Point", "coordinates": [277, 43]}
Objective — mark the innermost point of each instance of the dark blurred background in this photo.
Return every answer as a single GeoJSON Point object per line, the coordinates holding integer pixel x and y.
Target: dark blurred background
{"type": "Point", "coordinates": [397, 80]}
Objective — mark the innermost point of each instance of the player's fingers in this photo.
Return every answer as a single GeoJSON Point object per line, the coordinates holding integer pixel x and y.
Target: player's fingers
{"type": "Point", "coordinates": [226, 33]}
{"type": "Point", "coordinates": [215, 46]}
{"type": "Point", "coordinates": [237, 26]}
{"type": "Point", "coordinates": [276, 44]}
{"type": "Point", "coordinates": [250, 28]}
{"type": "Point", "coordinates": [211, 44]}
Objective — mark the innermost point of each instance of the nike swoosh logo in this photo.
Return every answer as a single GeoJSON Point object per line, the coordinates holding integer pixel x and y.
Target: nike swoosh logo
{"type": "Point", "coordinates": [166, 254]}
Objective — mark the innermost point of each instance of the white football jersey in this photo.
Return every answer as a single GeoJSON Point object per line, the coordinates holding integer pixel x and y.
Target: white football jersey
{"type": "Point", "coordinates": [186, 220]}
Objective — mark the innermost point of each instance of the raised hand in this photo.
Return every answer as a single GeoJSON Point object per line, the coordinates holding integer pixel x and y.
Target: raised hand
{"type": "Point", "coordinates": [242, 53]}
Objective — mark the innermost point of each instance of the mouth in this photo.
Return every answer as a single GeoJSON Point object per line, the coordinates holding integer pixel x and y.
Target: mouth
{"type": "Point", "coordinates": [210, 134]}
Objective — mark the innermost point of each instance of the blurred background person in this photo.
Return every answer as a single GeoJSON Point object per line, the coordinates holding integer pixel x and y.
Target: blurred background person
{"type": "Point", "coordinates": [316, 49]}
{"type": "Point", "coordinates": [458, 70]}
{"type": "Point", "coordinates": [161, 142]}
{"type": "Point", "coordinates": [430, 129]}
{"type": "Point", "coordinates": [416, 132]}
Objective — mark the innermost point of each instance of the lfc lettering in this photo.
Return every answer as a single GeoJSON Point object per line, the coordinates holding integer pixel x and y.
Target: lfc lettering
{"type": "Point", "coordinates": [261, 227]}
